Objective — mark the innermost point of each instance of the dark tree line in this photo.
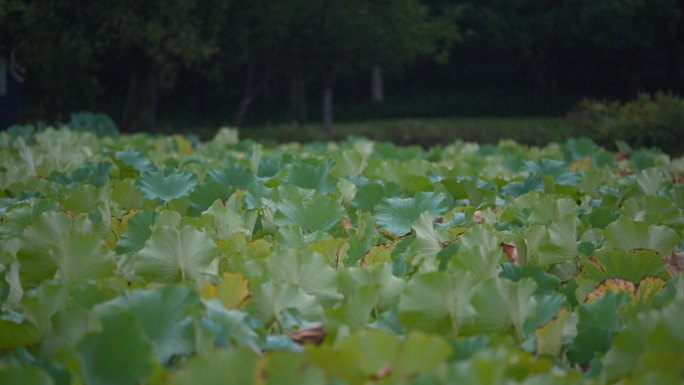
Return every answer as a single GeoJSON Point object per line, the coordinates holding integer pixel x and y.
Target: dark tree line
{"type": "Point", "coordinates": [127, 55]}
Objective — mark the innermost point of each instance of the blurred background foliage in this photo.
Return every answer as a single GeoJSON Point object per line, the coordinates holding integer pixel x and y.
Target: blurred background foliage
{"type": "Point", "coordinates": [186, 65]}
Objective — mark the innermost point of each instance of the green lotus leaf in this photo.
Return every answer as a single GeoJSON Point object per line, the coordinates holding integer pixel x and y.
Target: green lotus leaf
{"type": "Point", "coordinates": [39, 307]}
{"type": "Point", "coordinates": [628, 346]}
{"type": "Point", "coordinates": [479, 253]}
{"type": "Point", "coordinates": [221, 221]}
{"type": "Point", "coordinates": [175, 253]}
{"type": "Point", "coordinates": [650, 180]}
{"type": "Point", "coordinates": [126, 196]}
{"type": "Point", "coordinates": [165, 316]}
{"type": "Point", "coordinates": [291, 368]}
{"type": "Point", "coordinates": [312, 175]}
{"type": "Point", "coordinates": [166, 186]}
{"type": "Point", "coordinates": [547, 210]}
{"type": "Point", "coordinates": [396, 215]}
{"type": "Point", "coordinates": [576, 149]}
{"type": "Point", "coordinates": [135, 160]}
{"type": "Point", "coordinates": [56, 246]}
{"type": "Point", "coordinates": [529, 184]}
{"type": "Point", "coordinates": [550, 336]}
{"type": "Point", "coordinates": [306, 269]}
{"type": "Point", "coordinates": [292, 236]}
{"type": "Point", "coordinates": [560, 243]}
{"type": "Point", "coordinates": [546, 283]}
{"type": "Point", "coordinates": [370, 194]}
{"type": "Point", "coordinates": [419, 353]}
{"type": "Point", "coordinates": [119, 354]}
{"type": "Point", "coordinates": [349, 163]}
{"type": "Point", "coordinates": [653, 209]}
{"type": "Point", "coordinates": [270, 299]}
{"type": "Point", "coordinates": [437, 301]}
{"type": "Point", "coordinates": [355, 359]}
{"type": "Point", "coordinates": [205, 194]}
{"type": "Point", "coordinates": [25, 376]}
{"type": "Point", "coordinates": [230, 328]}
{"type": "Point", "coordinates": [560, 172]}
{"type": "Point", "coordinates": [411, 175]}
{"type": "Point", "coordinates": [389, 286]}
{"type": "Point", "coordinates": [603, 312]}
{"type": "Point", "coordinates": [139, 231]}
{"type": "Point", "coordinates": [631, 265]}
{"type": "Point", "coordinates": [500, 304]}
{"type": "Point", "coordinates": [548, 306]}
{"type": "Point", "coordinates": [598, 320]}
{"type": "Point", "coordinates": [83, 199]}
{"type": "Point", "coordinates": [16, 221]}
{"type": "Point", "coordinates": [600, 217]}
{"type": "Point", "coordinates": [428, 241]}
{"type": "Point", "coordinates": [627, 234]}
{"type": "Point", "coordinates": [69, 326]}
{"type": "Point", "coordinates": [310, 211]}
{"type": "Point", "coordinates": [96, 175]}
{"type": "Point", "coordinates": [588, 344]}
{"type": "Point", "coordinates": [269, 167]}
{"type": "Point", "coordinates": [254, 194]}
{"type": "Point", "coordinates": [234, 175]}
{"type": "Point", "coordinates": [370, 354]}
{"type": "Point", "coordinates": [475, 190]}
{"type": "Point", "coordinates": [220, 367]}
{"type": "Point", "coordinates": [355, 311]}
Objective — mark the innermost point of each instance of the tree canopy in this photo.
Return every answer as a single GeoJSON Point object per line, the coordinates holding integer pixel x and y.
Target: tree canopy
{"type": "Point", "coordinates": [130, 54]}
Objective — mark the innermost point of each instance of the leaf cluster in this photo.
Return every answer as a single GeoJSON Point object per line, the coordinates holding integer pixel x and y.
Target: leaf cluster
{"type": "Point", "coordinates": [139, 258]}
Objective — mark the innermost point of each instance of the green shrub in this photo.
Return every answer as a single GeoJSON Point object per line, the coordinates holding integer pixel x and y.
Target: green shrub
{"type": "Point", "coordinates": [650, 121]}
{"type": "Point", "coordinates": [99, 124]}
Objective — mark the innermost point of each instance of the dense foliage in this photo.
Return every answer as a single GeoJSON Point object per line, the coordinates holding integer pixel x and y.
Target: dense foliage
{"type": "Point", "coordinates": [213, 59]}
{"type": "Point", "coordinates": [656, 120]}
{"type": "Point", "coordinates": [160, 260]}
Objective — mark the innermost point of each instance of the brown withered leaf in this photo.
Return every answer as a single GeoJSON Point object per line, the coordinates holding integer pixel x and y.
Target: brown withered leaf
{"type": "Point", "coordinates": [621, 156]}
{"type": "Point", "coordinates": [346, 223]}
{"type": "Point", "coordinates": [383, 372]}
{"type": "Point", "coordinates": [477, 217]}
{"type": "Point", "coordinates": [674, 263]}
{"type": "Point", "coordinates": [679, 178]}
{"type": "Point", "coordinates": [596, 263]}
{"type": "Point", "coordinates": [308, 336]}
{"type": "Point", "coordinates": [511, 251]}
{"type": "Point", "coordinates": [611, 284]}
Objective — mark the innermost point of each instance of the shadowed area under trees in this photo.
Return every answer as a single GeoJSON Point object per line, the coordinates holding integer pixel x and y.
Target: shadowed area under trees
{"type": "Point", "coordinates": [158, 63]}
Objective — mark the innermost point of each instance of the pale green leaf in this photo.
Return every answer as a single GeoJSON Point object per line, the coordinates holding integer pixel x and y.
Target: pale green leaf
{"type": "Point", "coordinates": [627, 234]}
{"type": "Point", "coordinates": [306, 269]}
{"type": "Point", "coordinates": [166, 186]}
{"type": "Point", "coordinates": [119, 354]}
{"type": "Point", "coordinates": [165, 315]}
{"type": "Point", "coordinates": [55, 246]}
{"type": "Point", "coordinates": [315, 212]}
{"type": "Point", "coordinates": [501, 304]}
{"type": "Point", "coordinates": [437, 301]}
{"type": "Point", "coordinates": [396, 215]}
{"type": "Point", "coordinates": [174, 254]}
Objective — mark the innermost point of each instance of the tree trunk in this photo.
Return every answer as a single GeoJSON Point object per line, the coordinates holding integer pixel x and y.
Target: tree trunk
{"type": "Point", "coordinates": [251, 93]}
{"type": "Point", "coordinates": [298, 110]}
{"type": "Point", "coordinates": [327, 108]}
{"type": "Point", "coordinates": [377, 85]}
{"type": "Point", "coordinates": [544, 69]}
{"type": "Point", "coordinates": [241, 111]}
{"type": "Point", "coordinates": [635, 75]}
{"type": "Point", "coordinates": [247, 97]}
{"type": "Point", "coordinates": [140, 112]}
